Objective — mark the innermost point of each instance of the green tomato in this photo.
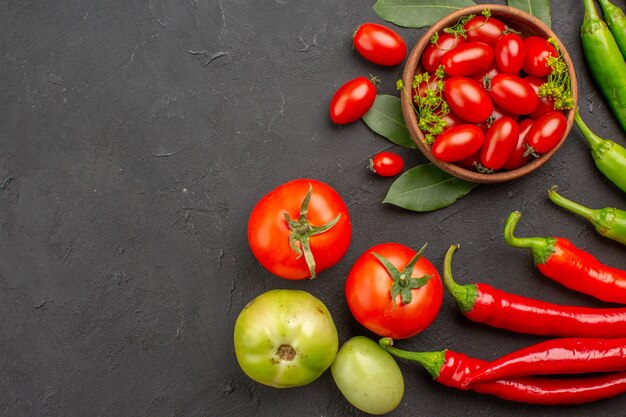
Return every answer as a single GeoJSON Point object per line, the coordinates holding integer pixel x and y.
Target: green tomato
{"type": "Point", "coordinates": [285, 338]}
{"type": "Point", "coordinates": [368, 376]}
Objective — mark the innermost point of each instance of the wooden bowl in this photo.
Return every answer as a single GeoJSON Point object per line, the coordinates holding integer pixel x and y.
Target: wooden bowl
{"type": "Point", "coordinates": [516, 19]}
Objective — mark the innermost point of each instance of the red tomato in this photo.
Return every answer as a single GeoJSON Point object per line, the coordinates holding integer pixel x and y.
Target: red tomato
{"type": "Point", "coordinates": [546, 105]}
{"type": "Point", "coordinates": [497, 114]}
{"type": "Point", "coordinates": [489, 74]}
{"type": "Point", "coordinates": [379, 44]}
{"type": "Point", "coordinates": [457, 143]}
{"type": "Point", "coordinates": [431, 57]}
{"type": "Point", "coordinates": [537, 51]}
{"type": "Point", "coordinates": [352, 100]}
{"type": "Point", "coordinates": [368, 292]}
{"type": "Point", "coordinates": [484, 29]}
{"type": "Point", "coordinates": [513, 94]}
{"type": "Point", "coordinates": [471, 58]}
{"type": "Point", "coordinates": [510, 53]}
{"type": "Point", "coordinates": [547, 132]}
{"type": "Point", "coordinates": [499, 143]}
{"type": "Point", "coordinates": [517, 158]}
{"type": "Point", "coordinates": [470, 162]}
{"type": "Point", "coordinates": [452, 120]}
{"type": "Point", "coordinates": [468, 99]}
{"type": "Point", "coordinates": [386, 164]}
{"type": "Point", "coordinates": [269, 233]}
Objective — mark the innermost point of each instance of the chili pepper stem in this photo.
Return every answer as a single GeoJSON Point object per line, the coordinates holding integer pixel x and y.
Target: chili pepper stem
{"type": "Point", "coordinates": [569, 205]}
{"type": "Point", "coordinates": [592, 139]}
{"type": "Point", "coordinates": [464, 295]}
{"type": "Point", "coordinates": [431, 361]}
{"type": "Point", "coordinates": [542, 247]}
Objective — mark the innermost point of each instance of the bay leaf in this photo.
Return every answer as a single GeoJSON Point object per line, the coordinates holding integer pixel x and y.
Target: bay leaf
{"type": "Point", "coordinates": [385, 118]}
{"type": "Point", "coordinates": [417, 13]}
{"type": "Point", "coordinates": [427, 188]}
{"type": "Point", "coordinates": [538, 8]}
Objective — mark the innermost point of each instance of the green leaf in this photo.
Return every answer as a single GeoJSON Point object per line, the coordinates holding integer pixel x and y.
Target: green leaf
{"type": "Point", "coordinates": [538, 8]}
{"type": "Point", "coordinates": [427, 188]}
{"type": "Point", "coordinates": [417, 13]}
{"type": "Point", "coordinates": [385, 118]}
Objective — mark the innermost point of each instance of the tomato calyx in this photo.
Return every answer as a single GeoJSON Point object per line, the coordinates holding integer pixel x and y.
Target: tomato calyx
{"type": "Point", "coordinates": [483, 169]}
{"type": "Point", "coordinates": [301, 232]}
{"type": "Point", "coordinates": [530, 151]}
{"type": "Point", "coordinates": [403, 281]}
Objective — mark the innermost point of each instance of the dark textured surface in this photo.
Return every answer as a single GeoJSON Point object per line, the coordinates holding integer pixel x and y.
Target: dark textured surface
{"type": "Point", "coordinates": [136, 137]}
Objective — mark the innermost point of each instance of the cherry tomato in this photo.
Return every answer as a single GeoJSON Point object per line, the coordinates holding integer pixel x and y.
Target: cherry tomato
{"type": "Point", "coordinates": [468, 99]}
{"type": "Point", "coordinates": [271, 235]}
{"type": "Point", "coordinates": [457, 143]}
{"type": "Point", "coordinates": [386, 164]}
{"type": "Point", "coordinates": [471, 58]}
{"type": "Point", "coordinates": [497, 114]}
{"type": "Point", "coordinates": [489, 74]}
{"type": "Point", "coordinates": [547, 132]}
{"type": "Point", "coordinates": [517, 158]}
{"type": "Point", "coordinates": [537, 51]}
{"type": "Point", "coordinates": [546, 105]}
{"type": "Point", "coordinates": [470, 162]}
{"type": "Point", "coordinates": [379, 44]}
{"type": "Point", "coordinates": [510, 53]}
{"type": "Point", "coordinates": [452, 120]}
{"type": "Point", "coordinates": [352, 100]}
{"type": "Point", "coordinates": [431, 57]}
{"type": "Point", "coordinates": [513, 94]}
{"type": "Point", "coordinates": [418, 291]}
{"type": "Point", "coordinates": [499, 143]}
{"type": "Point", "coordinates": [484, 29]}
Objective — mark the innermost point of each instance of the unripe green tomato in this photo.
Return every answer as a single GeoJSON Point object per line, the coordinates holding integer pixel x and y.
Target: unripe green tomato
{"type": "Point", "coordinates": [285, 338]}
{"type": "Point", "coordinates": [368, 376]}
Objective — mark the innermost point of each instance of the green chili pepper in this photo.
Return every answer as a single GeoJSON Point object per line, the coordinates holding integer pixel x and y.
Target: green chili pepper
{"type": "Point", "coordinates": [610, 158]}
{"type": "Point", "coordinates": [609, 222]}
{"type": "Point", "coordinates": [605, 61]}
{"type": "Point", "coordinates": [616, 21]}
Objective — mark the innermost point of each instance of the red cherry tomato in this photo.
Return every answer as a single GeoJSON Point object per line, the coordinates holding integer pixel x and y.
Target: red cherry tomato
{"type": "Point", "coordinates": [457, 143]}
{"type": "Point", "coordinates": [499, 143]}
{"type": "Point", "coordinates": [510, 53]}
{"type": "Point", "coordinates": [468, 99]}
{"type": "Point", "coordinates": [547, 132]}
{"type": "Point", "coordinates": [386, 164]}
{"type": "Point", "coordinates": [369, 285]}
{"type": "Point", "coordinates": [452, 120]}
{"type": "Point", "coordinates": [488, 74]}
{"type": "Point", "coordinates": [484, 29]}
{"type": "Point", "coordinates": [431, 57]}
{"type": "Point", "coordinates": [379, 44]}
{"type": "Point", "coordinates": [537, 51]}
{"type": "Point", "coordinates": [497, 114]}
{"type": "Point", "coordinates": [352, 100]}
{"type": "Point", "coordinates": [471, 58]}
{"type": "Point", "coordinates": [471, 162]}
{"type": "Point", "coordinates": [546, 105]}
{"type": "Point", "coordinates": [269, 233]}
{"type": "Point", "coordinates": [513, 94]}
{"type": "Point", "coordinates": [517, 158]}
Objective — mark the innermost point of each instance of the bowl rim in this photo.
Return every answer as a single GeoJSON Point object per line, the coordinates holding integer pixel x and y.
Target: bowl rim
{"type": "Point", "coordinates": [413, 63]}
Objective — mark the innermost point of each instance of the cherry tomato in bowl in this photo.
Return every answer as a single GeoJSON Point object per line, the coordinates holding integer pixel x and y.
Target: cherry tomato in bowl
{"type": "Point", "coordinates": [386, 164]}
{"type": "Point", "coordinates": [379, 44]}
{"type": "Point", "coordinates": [484, 29]}
{"type": "Point", "coordinates": [431, 58]}
{"type": "Point", "coordinates": [299, 229]}
{"type": "Point", "coordinates": [510, 53]}
{"type": "Point", "coordinates": [352, 100]}
{"type": "Point", "coordinates": [513, 94]}
{"type": "Point", "coordinates": [546, 132]}
{"type": "Point", "coordinates": [394, 291]}
{"type": "Point", "coordinates": [499, 143]}
{"type": "Point", "coordinates": [471, 58]}
{"type": "Point", "coordinates": [538, 50]}
{"type": "Point", "coordinates": [468, 99]}
{"type": "Point", "coordinates": [457, 143]}
{"type": "Point", "coordinates": [519, 157]}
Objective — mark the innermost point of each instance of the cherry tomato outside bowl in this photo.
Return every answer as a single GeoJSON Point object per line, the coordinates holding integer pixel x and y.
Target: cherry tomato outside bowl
{"type": "Point", "coordinates": [379, 44]}
{"type": "Point", "coordinates": [352, 100]}
{"type": "Point", "coordinates": [386, 164]}
{"type": "Point", "coordinates": [269, 232]}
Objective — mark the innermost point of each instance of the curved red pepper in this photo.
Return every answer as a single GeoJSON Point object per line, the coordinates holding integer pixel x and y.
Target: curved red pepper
{"type": "Point", "coordinates": [483, 303]}
{"type": "Point", "coordinates": [559, 259]}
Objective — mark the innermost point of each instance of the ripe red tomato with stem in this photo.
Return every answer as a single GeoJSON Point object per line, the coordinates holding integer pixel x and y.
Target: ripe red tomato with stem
{"type": "Point", "coordinates": [488, 74]}
{"type": "Point", "coordinates": [353, 99]}
{"type": "Point", "coordinates": [484, 29]}
{"type": "Point", "coordinates": [499, 143]}
{"type": "Point", "coordinates": [299, 229]}
{"type": "Point", "coordinates": [457, 143]}
{"type": "Point", "coordinates": [468, 99]}
{"type": "Point", "coordinates": [546, 104]}
{"type": "Point", "coordinates": [546, 133]}
{"type": "Point", "coordinates": [471, 58]}
{"type": "Point", "coordinates": [394, 291]}
{"type": "Point", "coordinates": [513, 94]}
{"type": "Point", "coordinates": [510, 53]}
{"type": "Point", "coordinates": [379, 44]}
{"type": "Point", "coordinates": [386, 164]}
{"type": "Point", "coordinates": [538, 50]}
{"type": "Point", "coordinates": [519, 158]}
{"type": "Point", "coordinates": [431, 57]}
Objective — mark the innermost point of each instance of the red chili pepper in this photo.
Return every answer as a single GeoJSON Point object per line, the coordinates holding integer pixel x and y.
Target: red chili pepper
{"type": "Point", "coordinates": [558, 259]}
{"type": "Point", "coordinates": [555, 357]}
{"type": "Point", "coordinates": [451, 369]}
{"type": "Point", "coordinates": [483, 303]}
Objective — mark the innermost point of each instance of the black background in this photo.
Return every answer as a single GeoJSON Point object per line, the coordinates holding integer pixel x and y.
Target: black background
{"type": "Point", "coordinates": [136, 137]}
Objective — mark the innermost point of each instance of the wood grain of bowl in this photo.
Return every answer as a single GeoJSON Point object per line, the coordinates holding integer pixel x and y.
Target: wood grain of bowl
{"type": "Point", "coordinates": [516, 19]}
